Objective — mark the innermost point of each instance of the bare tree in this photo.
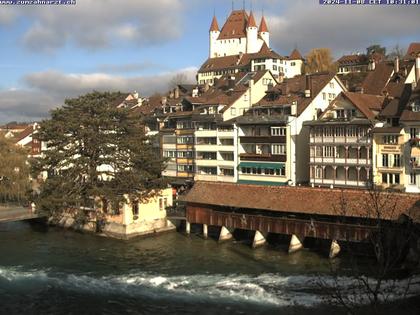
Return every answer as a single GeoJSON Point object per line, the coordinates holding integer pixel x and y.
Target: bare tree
{"type": "Point", "coordinates": [177, 79]}
{"type": "Point", "coordinates": [319, 60]}
{"type": "Point", "coordinates": [385, 280]}
{"type": "Point", "coordinates": [396, 52]}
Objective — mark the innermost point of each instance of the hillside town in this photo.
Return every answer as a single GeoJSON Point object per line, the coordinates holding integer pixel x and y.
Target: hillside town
{"type": "Point", "coordinates": [254, 117]}
{"type": "Point", "coordinates": [261, 147]}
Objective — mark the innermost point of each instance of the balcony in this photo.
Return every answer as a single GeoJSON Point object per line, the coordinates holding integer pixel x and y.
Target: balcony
{"type": "Point", "coordinates": [341, 161]}
{"type": "Point", "coordinates": [204, 162]}
{"type": "Point", "coordinates": [206, 147]}
{"type": "Point", "coordinates": [225, 134]}
{"type": "Point", "coordinates": [329, 182]}
{"type": "Point", "coordinates": [263, 139]}
{"type": "Point", "coordinates": [263, 157]}
{"type": "Point", "coordinates": [205, 133]}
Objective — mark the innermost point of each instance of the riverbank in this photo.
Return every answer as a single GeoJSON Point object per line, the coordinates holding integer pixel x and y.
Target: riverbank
{"type": "Point", "coordinates": [53, 270]}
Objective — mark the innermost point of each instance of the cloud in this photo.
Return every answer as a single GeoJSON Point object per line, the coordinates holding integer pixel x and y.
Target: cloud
{"type": "Point", "coordinates": [130, 67]}
{"type": "Point", "coordinates": [344, 29]}
{"type": "Point", "coordinates": [48, 89]}
{"type": "Point", "coordinates": [96, 24]}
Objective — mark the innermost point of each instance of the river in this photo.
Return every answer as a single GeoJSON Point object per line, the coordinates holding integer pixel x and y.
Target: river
{"type": "Point", "coordinates": [56, 271]}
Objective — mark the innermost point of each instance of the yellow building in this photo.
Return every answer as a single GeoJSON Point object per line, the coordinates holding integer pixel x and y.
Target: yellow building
{"type": "Point", "coordinates": [141, 218]}
{"type": "Point", "coordinates": [388, 152]}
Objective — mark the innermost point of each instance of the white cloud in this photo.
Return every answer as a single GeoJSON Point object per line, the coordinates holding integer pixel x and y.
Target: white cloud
{"type": "Point", "coordinates": [96, 24]}
{"type": "Point", "coordinates": [48, 89]}
{"type": "Point", "coordinates": [344, 29]}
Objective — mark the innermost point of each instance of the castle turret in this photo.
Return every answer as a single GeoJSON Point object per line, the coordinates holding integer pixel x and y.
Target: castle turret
{"type": "Point", "coordinates": [252, 35]}
{"type": "Point", "coordinates": [263, 31]}
{"type": "Point", "coordinates": [214, 35]}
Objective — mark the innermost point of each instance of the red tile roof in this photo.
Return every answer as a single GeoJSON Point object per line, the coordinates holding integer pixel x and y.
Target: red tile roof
{"type": "Point", "coordinates": [235, 25]}
{"type": "Point", "coordinates": [303, 200]}
{"type": "Point", "coordinates": [293, 89]}
{"type": "Point", "coordinates": [214, 25]}
{"type": "Point", "coordinates": [295, 55]}
{"type": "Point", "coordinates": [412, 51]}
{"type": "Point", "coordinates": [369, 105]}
{"type": "Point", "coordinates": [263, 26]}
{"type": "Point", "coordinates": [251, 20]}
{"type": "Point", "coordinates": [377, 80]}
{"type": "Point", "coordinates": [238, 61]}
{"type": "Point", "coordinates": [25, 133]}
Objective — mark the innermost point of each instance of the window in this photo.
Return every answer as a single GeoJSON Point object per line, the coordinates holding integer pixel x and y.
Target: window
{"type": "Point", "coordinates": [329, 151]}
{"type": "Point", "coordinates": [163, 203]}
{"type": "Point", "coordinates": [278, 149]}
{"type": "Point", "coordinates": [293, 63]}
{"type": "Point", "coordinates": [324, 96]}
{"type": "Point", "coordinates": [185, 168]}
{"type": "Point", "coordinates": [385, 160]}
{"type": "Point", "coordinates": [397, 160]}
{"type": "Point", "coordinates": [185, 140]}
{"type": "Point", "coordinates": [331, 85]}
{"type": "Point", "coordinates": [318, 152]}
{"type": "Point", "coordinates": [275, 67]}
{"type": "Point", "coordinates": [390, 139]}
{"type": "Point", "coordinates": [245, 97]}
{"type": "Point", "coordinates": [135, 208]}
{"type": "Point", "coordinates": [414, 132]}
{"type": "Point", "coordinates": [278, 131]}
{"type": "Point", "coordinates": [340, 113]}
{"type": "Point", "coordinates": [413, 179]}
{"type": "Point", "coordinates": [318, 172]}
{"type": "Point", "coordinates": [185, 154]}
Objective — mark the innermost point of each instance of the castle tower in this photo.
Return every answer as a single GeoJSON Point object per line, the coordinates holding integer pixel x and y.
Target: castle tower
{"type": "Point", "coordinates": [263, 31]}
{"type": "Point", "coordinates": [251, 35]}
{"type": "Point", "coordinates": [214, 35]}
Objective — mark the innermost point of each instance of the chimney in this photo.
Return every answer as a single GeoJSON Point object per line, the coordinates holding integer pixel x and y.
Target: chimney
{"type": "Point", "coordinates": [293, 109]}
{"type": "Point", "coordinates": [176, 92]}
{"type": "Point", "coordinates": [231, 83]}
{"type": "Point", "coordinates": [171, 94]}
{"type": "Point", "coordinates": [372, 65]}
{"type": "Point", "coordinates": [396, 65]}
{"type": "Point", "coordinates": [417, 68]}
{"type": "Point", "coordinates": [308, 86]}
{"type": "Point", "coordinates": [164, 100]}
{"type": "Point", "coordinates": [136, 95]}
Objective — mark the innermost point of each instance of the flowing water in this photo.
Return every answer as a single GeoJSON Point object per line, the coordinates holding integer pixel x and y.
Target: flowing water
{"type": "Point", "coordinates": [58, 271]}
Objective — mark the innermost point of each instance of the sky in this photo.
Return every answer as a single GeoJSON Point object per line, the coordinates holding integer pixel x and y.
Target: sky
{"type": "Point", "coordinates": [49, 53]}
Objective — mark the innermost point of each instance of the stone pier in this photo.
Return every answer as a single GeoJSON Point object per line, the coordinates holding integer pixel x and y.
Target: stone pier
{"type": "Point", "coordinates": [187, 227]}
{"type": "Point", "coordinates": [224, 234]}
{"type": "Point", "coordinates": [205, 231]}
{"type": "Point", "coordinates": [334, 249]}
{"type": "Point", "coordinates": [259, 239]}
{"type": "Point", "coordinates": [295, 244]}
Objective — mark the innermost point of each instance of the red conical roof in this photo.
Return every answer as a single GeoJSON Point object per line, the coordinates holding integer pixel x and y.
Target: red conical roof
{"type": "Point", "coordinates": [263, 26]}
{"type": "Point", "coordinates": [251, 20]}
{"type": "Point", "coordinates": [214, 25]}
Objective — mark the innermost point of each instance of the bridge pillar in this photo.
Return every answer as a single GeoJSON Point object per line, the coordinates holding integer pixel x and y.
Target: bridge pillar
{"type": "Point", "coordinates": [224, 234]}
{"type": "Point", "coordinates": [187, 227]}
{"type": "Point", "coordinates": [295, 244]}
{"type": "Point", "coordinates": [205, 231]}
{"type": "Point", "coordinates": [334, 249]}
{"type": "Point", "coordinates": [259, 239]}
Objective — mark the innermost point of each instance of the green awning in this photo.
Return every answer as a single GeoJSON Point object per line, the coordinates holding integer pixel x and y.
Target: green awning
{"type": "Point", "coordinates": [262, 165]}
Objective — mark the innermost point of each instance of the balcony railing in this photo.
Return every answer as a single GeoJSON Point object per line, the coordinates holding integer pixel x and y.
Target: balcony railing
{"type": "Point", "coordinates": [263, 157]}
{"type": "Point", "coordinates": [263, 139]}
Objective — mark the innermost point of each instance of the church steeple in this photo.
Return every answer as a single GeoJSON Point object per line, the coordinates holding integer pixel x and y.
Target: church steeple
{"type": "Point", "coordinates": [214, 25]}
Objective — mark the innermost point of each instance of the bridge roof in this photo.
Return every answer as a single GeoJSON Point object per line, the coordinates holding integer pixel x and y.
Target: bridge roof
{"type": "Point", "coordinates": [305, 200]}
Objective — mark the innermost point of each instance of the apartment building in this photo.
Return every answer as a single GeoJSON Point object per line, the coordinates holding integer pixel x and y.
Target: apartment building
{"type": "Point", "coordinates": [341, 141]}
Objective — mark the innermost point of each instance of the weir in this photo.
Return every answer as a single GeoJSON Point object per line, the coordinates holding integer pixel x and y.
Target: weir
{"type": "Point", "coordinates": [16, 213]}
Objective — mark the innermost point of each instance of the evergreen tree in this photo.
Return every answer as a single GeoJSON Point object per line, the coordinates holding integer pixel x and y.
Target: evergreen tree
{"type": "Point", "coordinates": [14, 172]}
{"type": "Point", "coordinates": [97, 153]}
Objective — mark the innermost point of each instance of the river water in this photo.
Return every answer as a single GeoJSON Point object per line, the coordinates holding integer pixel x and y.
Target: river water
{"type": "Point", "coordinates": [55, 271]}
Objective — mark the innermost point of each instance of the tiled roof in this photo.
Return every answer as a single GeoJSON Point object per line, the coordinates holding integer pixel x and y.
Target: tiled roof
{"type": "Point", "coordinates": [412, 51]}
{"type": "Point", "coordinates": [353, 60]}
{"type": "Point", "coordinates": [251, 20]}
{"type": "Point", "coordinates": [376, 80]}
{"type": "Point", "coordinates": [293, 89]}
{"type": "Point", "coordinates": [238, 61]}
{"type": "Point", "coordinates": [369, 105]}
{"type": "Point", "coordinates": [25, 133]}
{"type": "Point", "coordinates": [303, 200]}
{"type": "Point", "coordinates": [214, 27]}
{"type": "Point", "coordinates": [235, 25]}
{"type": "Point", "coordinates": [408, 114]}
{"type": "Point", "coordinates": [295, 55]}
{"type": "Point", "coordinates": [263, 26]}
